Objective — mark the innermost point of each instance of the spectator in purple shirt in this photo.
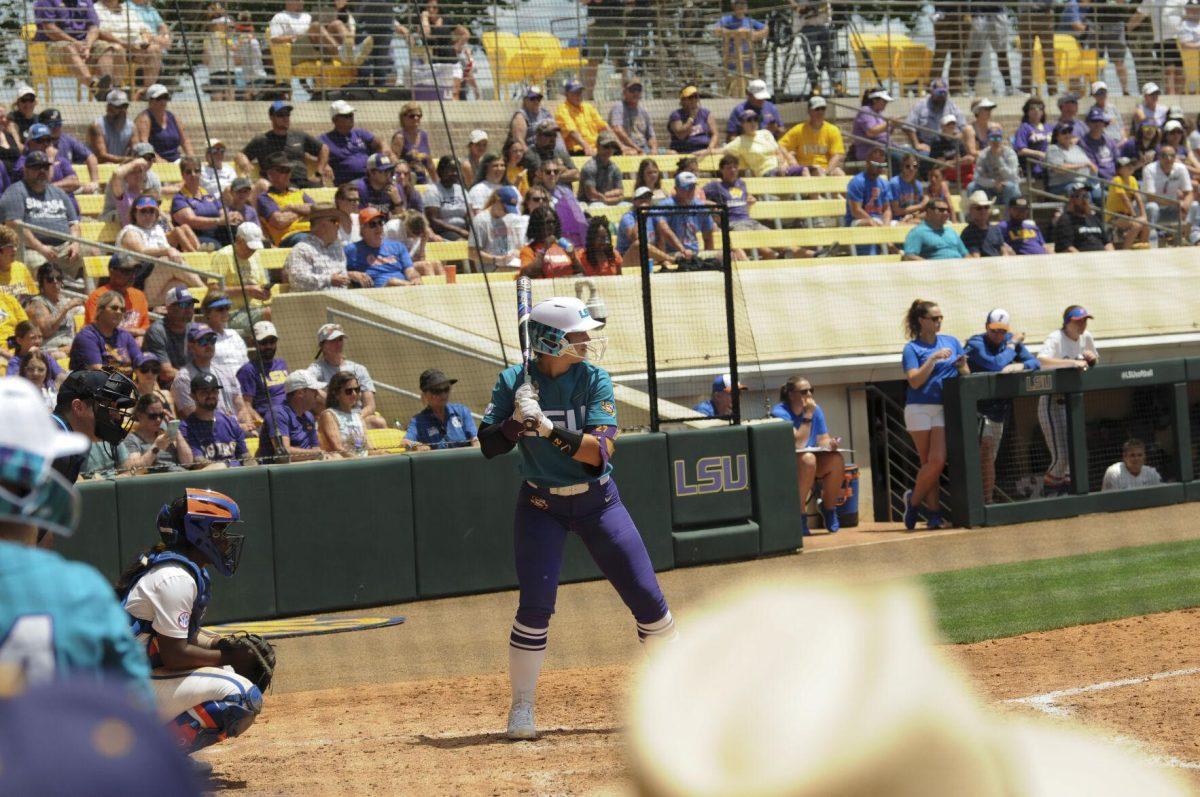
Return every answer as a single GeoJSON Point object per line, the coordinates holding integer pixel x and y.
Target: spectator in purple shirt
{"type": "Point", "coordinates": [203, 212]}
{"type": "Point", "coordinates": [297, 435]}
{"type": "Point", "coordinates": [692, 127]}
{"type": "Point", "coordinates": [349, 146]}
{"type": "Point", "coordinates": [1016, 235]}
{"type": "Point", "coordinates": [758, 99]}
{"type": "Point", "coordinates": [103, 342]}
{"type": "Point", "coordinates": [241, 199]}
{"type": "Point", "coordinates": [72, 149]}
{"type": "Point", "coordinates": [1032, 137]}
{"type": "Point", "coordinates": [72, 29]}
{"type": "Point", "coordinates": [62, 173]}
{"type": "Point", "coordinates": [871, 124]}
{"type": "Point", "coordinates": [212, 435]}
{"type": "Point", "coordinates": [1099, 148]}
{"type": "Point", "coordinates": [378, 189]}
{"type": "Point", "coordinates": [411, 143]}
{"type": "Point", "coordinates": [257, 393]}
{"type": "Point", "coordinates": [160, 128]}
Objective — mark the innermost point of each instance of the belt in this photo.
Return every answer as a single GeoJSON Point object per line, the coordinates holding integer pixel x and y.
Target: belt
{"type": "Point", "coordinates": [570, 489]}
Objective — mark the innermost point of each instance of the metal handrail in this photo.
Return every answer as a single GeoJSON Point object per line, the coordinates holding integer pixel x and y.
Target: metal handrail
{"type": "Point", "coordinates": [332, 311]}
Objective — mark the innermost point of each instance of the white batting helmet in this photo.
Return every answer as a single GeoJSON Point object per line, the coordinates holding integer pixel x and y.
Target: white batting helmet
{"type": "Point", "coordinates": [550, 322]}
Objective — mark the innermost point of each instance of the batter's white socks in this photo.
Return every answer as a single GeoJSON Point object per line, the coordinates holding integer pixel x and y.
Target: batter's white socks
{"type": "Point", "coordinates": [526, 652]}
{"type": "Point", "coordinates": [658, 632]}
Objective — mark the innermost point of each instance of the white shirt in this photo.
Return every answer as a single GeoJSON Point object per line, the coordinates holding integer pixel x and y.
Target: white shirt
{"type": "Point", "coordinates": [231, 352]}
{"type": "Point", "coordinates": [286, 23]}
{"type": "Point", "coordinates": [1118, 477]}
{"type": "Point", "coordinates": [153, 238]}
{"type": "Point", "coordinates": [1165, 16]}
{"type": "Point", "coordinates": [164, 596]}
{"type": "Point", "coordinates": [1155, 181]}
{"type": "Point", "coordinates": [208, 178]}
{"type": "Point", "coordinates": [124, 23]}
{"type": "Point", "coordinates": [1060, 347]}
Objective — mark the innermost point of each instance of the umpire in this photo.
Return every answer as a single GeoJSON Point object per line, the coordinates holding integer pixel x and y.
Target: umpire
{"type": "Point", "coordinates": [98, 405]}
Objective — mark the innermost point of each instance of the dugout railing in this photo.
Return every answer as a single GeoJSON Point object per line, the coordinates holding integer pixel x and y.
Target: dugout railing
{"type": "Point", "coordinates": [1160, 397]}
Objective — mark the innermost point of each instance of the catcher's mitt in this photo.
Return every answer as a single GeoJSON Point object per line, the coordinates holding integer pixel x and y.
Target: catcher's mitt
{"type": "Point", "coordinates": [251, 657]}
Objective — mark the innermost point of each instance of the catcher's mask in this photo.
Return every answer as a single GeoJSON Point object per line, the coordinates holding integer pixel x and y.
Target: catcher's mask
{"type": "Point", "coordinates": [203, 518]}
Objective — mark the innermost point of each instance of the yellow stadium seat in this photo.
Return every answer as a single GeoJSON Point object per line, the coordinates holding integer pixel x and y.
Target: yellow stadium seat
{"type": "Point", "coordinates": [504, 54]}
{"type": "Point", "coordinates": [103, 231]}
{"type": "Point", "coordinates": [446, 251]}
{"type": "Point", "coordinates": [252, 445]}
{"type": "Point", "coordinates": [1191, 71]}
{"type": "Point", "coordinates": [385, 439]}
{"type": "Point", "coordinates": [325, 75]}
{"type": "Point", "coordinates": [96, 266]}
{"type": "Point", "coordinates": [90, 204]}
{"type": "Point", "coordinates": [1070, 61]}
{"type": "Point", "coordinates": [322, 194]}
{"type": "Point", "coordinates": [628, 164]}
{"type": "Point", "coordinates": [42, 68]}
{"type": "Point", "coordinates": [273, 258]}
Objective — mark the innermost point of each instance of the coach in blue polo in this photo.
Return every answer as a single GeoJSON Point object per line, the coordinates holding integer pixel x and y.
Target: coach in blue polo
{"type": "Point", "coordinates": [441, 424]}
{"type": "Point", "coordinates": [934, 238]}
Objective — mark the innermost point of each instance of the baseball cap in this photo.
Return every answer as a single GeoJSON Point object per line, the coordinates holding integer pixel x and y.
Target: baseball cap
{"type": "Point", "coordinates": [145, 201]}
{"type": "Point", "coordinates": [1077, 186]}
{"type": "Point", "coordinates": [220, 303]}
{"type": "Point", "coordinates": [949, 119]}
{"type": "Point", "coordinates": [28, 427]}
{"type": "Point", "coordinates": [546, 126]}
{"type": "Point", "coordinates": [1069, 97]}
{"type": "Point", "coordinates": [1096, 115]}
{"type": "Point", "coordinates": [367, 214]}
{"type": "Point", "coordinates": [631, 80]}
{"type": "Point", "coordinates": [509, 197]}
{"type": "Point", "coordinates": [477, 136]}
{"type": "Point", "coordinates": [983, 103]}
{"type": "Point", "coordinates": [250, 234]}
{"type": "Point", "coordinates": [1173, 124]}
{"type": "Point", "coordinates": [37, 131]}
{"type": "Point", "coordinates": [156, 91]}
{"type": "Point", "coordinates": [51, 117]}
{"type": "Point", "coordinates": [25, 90]}
{"type": "Point", "coordinates": [180, 295]}
{"type": "Point", "coordinates": [748, 115]}
{"type": "Point", "coordinates": [301, 380]}
{"type": "Point", "coordinates": [937, 87]}
{"type": "Point", "coordinates": [1076, 312]}
{"type": "Point", "coordinates": [998, 319]}
{"type": "Point", "coordinates": [1064, 127]}
{"type": "Point", "coordinates": [995, 134]}
{"type": "Point", "coordinates": [380, 163]}
{"type": "Point", "coordinates": [688, 91]}
{"type": "Point", "coordinates": [1099, 87]}
{"type": "Point", "coordinates": [1019, 202]}
{"type": "Point", "coordinates": [685, 180]}
{"type": "Point", "coordinates": [724, 384]}
{"type": "Point", "coordinates": [880, 94]}
{"type": "Point", "coordinates": [572, 86]}
{"type": "Point", "coordinates": [197, 331]}
{"type": "Point", "coordinates": [979, 199]}
{"type": "Point", "coordinates": [340, 108]}
{"type": "Point", "coordinates": [216, 143]}
{"type": "Point", "coordinates": [1176, 111]}
{"type": "Point", "coordinates": [606, 138]}
{"type": "Point", "coordinates": [432, 377]}
{"type": "Point", "coordinates": [205, 382]}
{"type": "Point", "coordinates": [279, 106]}
{"type": "Point", "coordinates": [148, 357]}
{"type": "Point", "coordinates": [758, 90]}
{"type": "Point", "coordinates": [1151, 88]}
{"type": "Point", "coordinates": [816, 103]}
{"type": "Point", "coordinates": [277, 161]}
{"type": "Point", "coordinates": [37, 158]}
{"type": "Point", "coordinates": [1124, 160]}
{"type": "Point", "coordinates": [642, 191]}
{"type": "Point", "coordinates": [143, 149]}
{"type": "Point", "coordinates": [240, 184]}
{"type": "Point", "coordinates": [534, 91]}
{"type": "Point", "coordinates": [329, 332]}
{"type": "Point", "coordinates": [264, 330]}
{"type": "Point", "coordinates": [117, 98]}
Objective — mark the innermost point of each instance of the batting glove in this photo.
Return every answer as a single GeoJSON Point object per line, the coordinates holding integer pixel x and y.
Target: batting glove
{"type": "Point", "coordinates": [524, 391]}
{"type": "Point", "coordinates": [530, 414]}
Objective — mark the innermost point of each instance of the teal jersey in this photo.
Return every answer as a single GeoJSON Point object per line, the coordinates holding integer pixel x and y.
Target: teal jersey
{"type": "Point", "coordinates": [60, 620]}
{"type": "Point", "coordinates": [579, 400]}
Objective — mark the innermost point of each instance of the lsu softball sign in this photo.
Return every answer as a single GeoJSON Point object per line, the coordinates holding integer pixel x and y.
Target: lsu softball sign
{"type": "Point", "coordinates": [711, 478]}
{"type": "Point", "coordinates": [716, 474]}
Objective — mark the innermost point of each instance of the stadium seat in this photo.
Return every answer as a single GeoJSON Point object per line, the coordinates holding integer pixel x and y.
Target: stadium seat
{"type": "Point", "coordinates": [167, 172]}
{"type": "Point", "coordinates": [42, 69]}
{"type": "Point", "coordinates": [273, 258]}
{"type": "Point", "coordinates": [324, 75]}
{"type": "Point", "coordinates": [1070, 61]}
{"type": "Point", "coordinates": [90, 204]}
{"type": "Point", "coordinates": [385, 439]}
{"type": "Point", "coordinates": [252, 445]}
{"type": "Point", "coordinates": [1191, 71]}
{"type": "Point", "coordinates": [628, 164]}
{"type": "Point", "coordinates": [103, 231]}
{"type": "Point", "coordinates": [322, 194]}
{"type": "Point", "coordinates": [503, 52]}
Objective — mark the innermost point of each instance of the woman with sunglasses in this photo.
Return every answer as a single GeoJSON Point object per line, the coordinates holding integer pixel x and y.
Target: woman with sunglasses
{"type": "Point", "coordinates": [24, 113]}
{"type": "Point", "coordinates": [1032, 137]}
{"type": "Point", "coordinates": [145, 378]}
{"type": "Point", "coordinates": [908, 192]}
{"type": "Point", "coordinates": [798, 406]}
{"type": "Point", "coordinates": [150, 443]}
{"type": "Point", "coordinates": [929, 359]}
{"type": "Point", "coordinates": [148, 234]}
{"type": "Point", "coordinates": [516, 171]}
{"type": "Point", "coordinates": [53, 312]}
{"type": "Point", "coordinates": [201, 211]}
{"type": "Point", "coordinates": [103, 343]}
{"type": "Point", "coordinates": [411, 143]}
{"type": "Point", "coordinates": [35, 366]}
{"type": "Point", "coordinates": [547, 254]}
{"type": "Point", "coordinates": [161, 128]}
{"type": "Point", "coordinates": [340, 428]}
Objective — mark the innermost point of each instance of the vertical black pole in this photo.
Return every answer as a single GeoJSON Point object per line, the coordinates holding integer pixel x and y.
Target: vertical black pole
{"type": "Point", "coordinates": [731, 329]}
{"type": "Point", "coordinates": [640, 214]}
{"type": "Point", "coordinates": [1183, 431]}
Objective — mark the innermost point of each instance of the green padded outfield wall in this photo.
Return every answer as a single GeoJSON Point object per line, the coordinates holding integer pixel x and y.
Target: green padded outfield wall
{"type": "Point", "coordinates": [97, 540]}
{"type": "Point", "coordinates": [250, 592]}
{"type": "Point", "coordinates": [710, 476]}
{"type": "Point", "coordinates": [343, 534]}
{"type": "Point", "coordinates": [777, 507]}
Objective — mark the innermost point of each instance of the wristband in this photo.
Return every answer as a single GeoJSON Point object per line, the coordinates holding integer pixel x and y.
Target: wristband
{"type": "Point", "coordinates": [566, 441]}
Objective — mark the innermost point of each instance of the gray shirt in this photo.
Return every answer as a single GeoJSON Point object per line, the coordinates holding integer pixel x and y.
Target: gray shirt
{"type": "Point", "coordinates": [992, 169]}
{"type": "Point", "coordinates": [311, 265]}
{"type": "Point", "coordinates": [119, 211]}
{"type": "Point", "coordinates": [181, 390]}
{"type": "Point", "coordinates": [603, 177]}
{"type": "Point", "coordinates": [65, 332]}
{"type": "Point", "coordinates": [323, 371]}
{"type": "Point", "coordinates": [636, 123]}
{"type": "Point", "coordinates": [451, 203]}
{"type": "Point", "coordinates": [51, 209]}
{"type": "Point", "coordinates": [924, 115]}
{"type": "Point", "coordinates": [167, 345]}
{"type": "Point", "coordinates": [1057, 156]}
{"type": "Point", "coordinates": [116, 136]}
{"type": "Point", "coordinates": [498, 236]}
{"type": "Point", "coordinates": [166, 460]}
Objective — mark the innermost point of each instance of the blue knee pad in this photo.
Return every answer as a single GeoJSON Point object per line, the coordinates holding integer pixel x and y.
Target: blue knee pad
{"type": "Point", "coordinates": [238, 713]}
{"type": "Point", "coordinates": [229, 717]}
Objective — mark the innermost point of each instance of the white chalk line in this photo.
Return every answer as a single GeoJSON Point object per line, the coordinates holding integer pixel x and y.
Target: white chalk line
{"type": "Point", "coordinates": [1047, 703]}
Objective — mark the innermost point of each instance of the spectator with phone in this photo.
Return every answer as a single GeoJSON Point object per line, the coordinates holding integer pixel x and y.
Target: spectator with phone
{"type": "Point", "coordinates": [154, 443]}
{"type": "Point", "coordinates": [798, 405]}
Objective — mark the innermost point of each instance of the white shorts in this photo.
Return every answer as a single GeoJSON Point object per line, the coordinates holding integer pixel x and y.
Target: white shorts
{"type": "Point", "coordinates": [176, 692]}
{"type": "Point", "coordinates": [923, 417]}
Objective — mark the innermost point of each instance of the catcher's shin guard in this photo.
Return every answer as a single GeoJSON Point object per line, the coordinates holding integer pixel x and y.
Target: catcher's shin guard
{"type": "Point", "coordinates": [216, 720]}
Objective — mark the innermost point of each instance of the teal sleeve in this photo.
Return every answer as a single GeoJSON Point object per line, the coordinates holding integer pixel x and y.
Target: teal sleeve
{"type": "Point", "coordinates": [602, 405]}
{"type": "Point", "coordinates": [125, 659]}
{"type": "Point", "coordinates": [501, 406]}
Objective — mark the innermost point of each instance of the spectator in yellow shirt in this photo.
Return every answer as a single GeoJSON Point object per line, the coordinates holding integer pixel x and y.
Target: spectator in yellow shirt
{"type": "Point", "coordinates": [816, 145]}
{"type": "Point", "coordinates": [11, 314]}
{"type": "Point", "coordinates": [758, 151]}
{"type": "Point", "coordinates": [15, 279]}
{"type": "Point", "coordinates": [247, 243]}
{"type": "Point", "coordinates": [1135, 232]}
{"type": "Point", "coordinates": [579, 121]}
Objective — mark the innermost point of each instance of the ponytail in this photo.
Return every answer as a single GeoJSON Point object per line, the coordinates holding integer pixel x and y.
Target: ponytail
{"type": "Point", "coordinates": [912, 319]}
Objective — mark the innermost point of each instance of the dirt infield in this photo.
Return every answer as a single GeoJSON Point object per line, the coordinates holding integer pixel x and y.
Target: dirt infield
{"type": "Point", "coordinates": [388, 729]}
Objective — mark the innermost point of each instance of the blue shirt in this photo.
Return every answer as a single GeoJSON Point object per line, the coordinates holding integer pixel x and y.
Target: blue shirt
{"type": "Point", "coordinates": [768, 115]}
{"type": "Point", "coordinates": [626, 229]}
{"type": "Point", "coordinates": [983, 358]}
{"type": "Point", "coordinates": [783, 411]}
{"type": "Point", "coordinates": [580, 400]}
{"type": "Point", "coordinates": [299, 430]}
{"type": "Point", "coordinates": [905, 193]}
{"type": "Point", "coordinates": [706, 409]}
{"type": "Point", "coordinates": [687, 226]}
{"type": "Point", "coordinates": [926, 242]}
{"type": "Point", "coordinates": [916, 353]}
{"type": "Point", "coordinates": [458, 430]}
{"type": "Point", "coordinates": [390, 260]}
{"type": "Point", "coordinates": [873, 195]}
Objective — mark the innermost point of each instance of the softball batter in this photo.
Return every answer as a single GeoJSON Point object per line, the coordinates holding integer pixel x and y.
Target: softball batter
{"type": "Point", "coordinates": [565, 423]}
{"type": "Point", "coordinates": [1069, 347]}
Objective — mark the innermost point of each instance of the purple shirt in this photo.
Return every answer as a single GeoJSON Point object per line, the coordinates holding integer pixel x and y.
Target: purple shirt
{"type": "Point", "coordinates": [1024, 240]}
{"type": "Point", "coordinates": [72, 148]}
{"type": "Point", "coordinates": [14, 368]}
{"type": "Point", "coordinates": [768, 114]}
{"type": "Point", "coordinates": [731, 196]}
{"type": "Point", "coordinates": [203, 204]}
{"type": "Point", "coordinates": [348, 153]}
{"type": "Point", "coordinates": [250, 381]}
{"type": "Point", "coordinates": [1102, 153]}
{"type": "Point", "coordinates": [1031, 137]}
{"type": "Point", "coordinates": [420, 145]}
{"type": "Point", "coordinates": [90, 347]}
{"type": "Point", "coordinates": [866, 119]}
{"type": "Point", "coordinates": [299, 430]}
{"type": "Point", "coordinates": [165, 138]}
{"type": "Point", "coordinates": [698, 136]}
{"type": "Point", "coordinates": [267, 205]}
{"type": "Point", "coordinates": [73, 17]}
{"type": "Point", "coordinates": [248, 213]}
{"type": "Point", "coordinates": [58, 170]}
{"type": "Point", "coordinates": [220, 439]}
{"type": "Point", "coordinates": [381, 200]}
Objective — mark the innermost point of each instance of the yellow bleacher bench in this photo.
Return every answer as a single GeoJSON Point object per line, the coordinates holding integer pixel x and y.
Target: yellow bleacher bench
{"type": "Point", "coordinates": [273, 258]}
{"type": "Point", "coordinates": [385, 439]}
{"type": "Point", "coordinates": [628, 164]}
{"type": "Point", "coordinates": [103, 231]}
{"type": "Point", "coordinates": [167, 172]}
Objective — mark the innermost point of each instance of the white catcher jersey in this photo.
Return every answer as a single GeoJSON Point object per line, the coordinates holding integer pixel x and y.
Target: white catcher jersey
{"type": "Point", "coordinates": [164, 596]}
{"type": "Point", "coordinates": [1061, 347]}
{"type": "Point", "coordinates": [1118, 477]}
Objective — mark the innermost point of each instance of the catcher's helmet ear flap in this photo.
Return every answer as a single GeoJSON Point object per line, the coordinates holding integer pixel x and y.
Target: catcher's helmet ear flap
{"type": "Point", "coordinates": [170, 521]}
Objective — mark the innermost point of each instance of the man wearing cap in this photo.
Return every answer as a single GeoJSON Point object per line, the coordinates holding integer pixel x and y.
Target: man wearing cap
{"type": "Point", "coordinates": [98, 405]}
{"type": "Point", "coordinates": [1078, 228]}
{"type": "Point", "coordinates": [523, 123]}
{"type": "Point", "coordinates": [331, 345]}
{"type": "Point", "coordinates": [441, 424]}
{"type": "Point", "coordinates": [630, 122]}
{"type": "Point", "coordinates": [62, 173]}
{"type": "Point", "coordinates": [348, 146]}
{"type": "Point", "coordinates": [213, 435]}
{"type": "Point", "coordinates": [378, 188]}
{"type": "Point", "coordinates": [1016, 235]}
{"type": "Point", "coordinates": [120, 280]}
{"type": "Point", "coordinates": [925, 118]}
{"type": "Point", "coordinates": [261, 378]}
{"type": "Point", "coordinates": [497, 241]}
{"type": "Point", "coordinates": [111, 135]}
{"type": "Point", "coordinates": [167, 337]}
{"type": "Point", "coordinates": [71, 149]}
{"type": "Point", "coordinates": [1114, 129]}
{"type": "Point", "coordinates": [997, 170]}
{"type": "Point", "coordinates": [318, 263]}
{"type": "Point", "coordinates": [934, 238]}
{"type": "Point", "coordinates": [600, 180]}
{"type": "Point", "coordinates": [1069, 347]}
{"type": "Point", "coordinates": [868, 199]}
{"type": "Point", "coordinates": [283, 208]}
{"type": "Point", "coordinates": [628, 244]}
{"type": "Point", "coordinates": [246, 281]}
{"type": "Point", "coordinates": [579, 121]}
{"type": "Point", "coordinates": [1100, 150]}
{"type": "Point", "coordinates": [758, 99]}
{"type": "Point", "coordinates": [477, 147]}
{"type": "Point", "coordinates": [293, 417]}
{"type": "Point", "coordinates": [691, 126]}
{"type": "Point", "coordinates": [299, 149]}
{"type": "Point", "coordinates": [738, 32]}
{"type": "Point", "coordinates": [387, 263]}
{"type": "Point", "coordinates": [130, 180]}
{"type": "Point", "coordinates": [677, 232]}
{"type": "Point", "coordinates": [548, 146]}
{"type": "Point", "coordinates": [1149, 111]}
{"type": "Point", "coordinates": [1169, 178]}
{"type": "Point", "coordinates": [35, 201]}
{"type": "Point", "coordinates": [979, 214]}
{"type": "Point", "coordinates": [202, 348]}
{"type": "Point", "coordinates": [231, 353]}
{"type": "Point", "coordinates": [72, 28]}
{"type": "Point", "coordinates": [997, 351]}
{"type": "Point", "coordinates": [720, 403]}
{"type": "Point", "coordinates": [239, 198]}
{"type": "Point", "coordinates": [1068, 114]}
{"type": "Point", "coordinates": [815, 145]}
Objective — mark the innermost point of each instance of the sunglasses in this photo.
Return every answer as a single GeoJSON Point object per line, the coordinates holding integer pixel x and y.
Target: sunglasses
{"type": "Point", "coordinates": [374, 224]}
{"type": "Point", "coordinates": [438, 391]}
{"type": "Point", "coordinates": [804, 391]}
{"type": "Point", "coordinates": [934, 317]}
{"type": "Point", "coordinates": [207, 340]}
{"type": "Point", "coordinates": [52, 278]}
{"type": "Point", "coordinates": [552, 171]}
{"type": "Point", "coordinates": [414, 115]}
{"type": "Point", "coordinates": [535, 199]}
{"type": "Point", "coordinates": [351, 391]}
{"type": "Point", "coordinates": [939, 209]}
{"type": "Point", "coordinates": [908, 166]}
{"type": "Point", "coordinates": [156, 416]}
{"type": "Point", "coordinates": [149, 209]}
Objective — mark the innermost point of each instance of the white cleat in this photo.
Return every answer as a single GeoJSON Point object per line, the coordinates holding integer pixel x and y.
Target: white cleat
{"type": "Point", "coordinates": [520, 722]}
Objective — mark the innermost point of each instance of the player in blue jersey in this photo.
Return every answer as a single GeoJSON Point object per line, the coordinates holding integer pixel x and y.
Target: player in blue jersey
{"type": "Point", "coordinates": [58, 619]}
{"type": "Point", "coordinates": [565, 425]}
{"type": "Point", "coordinates": [165, 593]}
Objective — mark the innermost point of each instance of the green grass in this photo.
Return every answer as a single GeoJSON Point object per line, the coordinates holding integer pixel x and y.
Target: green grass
{"type": "Point", "coordinates": [1005, 600]}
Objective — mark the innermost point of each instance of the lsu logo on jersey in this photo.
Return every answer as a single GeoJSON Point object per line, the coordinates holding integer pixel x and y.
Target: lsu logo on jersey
{"type": "Point", "coordinates": [566, 418]}
{"type": "Point", "coordinates": [608, 407]}
{"type": "Point", "coordinates": [715, 474]}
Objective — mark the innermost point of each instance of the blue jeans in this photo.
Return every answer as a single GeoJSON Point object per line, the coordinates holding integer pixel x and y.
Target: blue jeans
{"type": "Point", "coordinates": [1010, 192]}
{"type": "Point", "coordinates": [1094, 185]}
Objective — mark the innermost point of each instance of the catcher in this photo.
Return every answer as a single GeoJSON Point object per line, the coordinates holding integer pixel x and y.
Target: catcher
{"type": "Point", "coordinates": [208, 687]}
